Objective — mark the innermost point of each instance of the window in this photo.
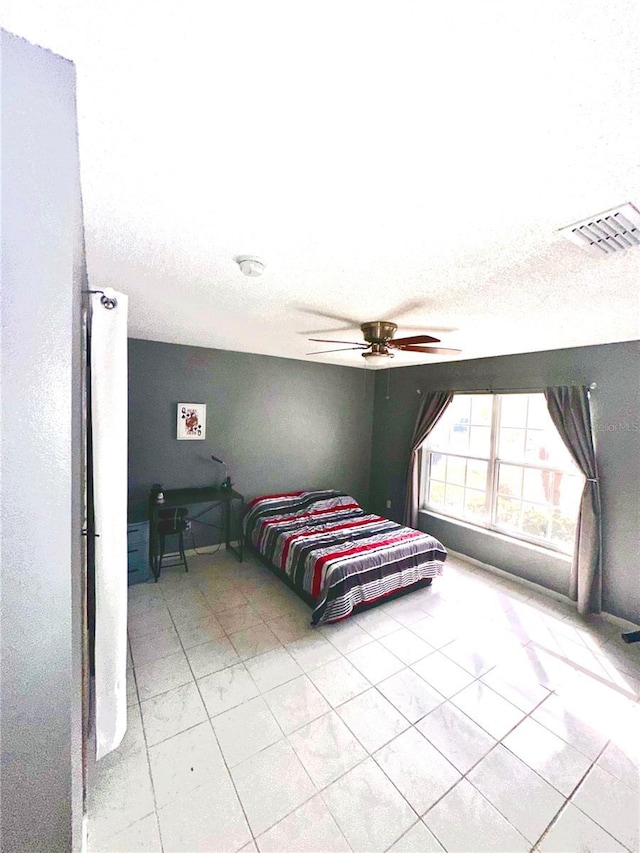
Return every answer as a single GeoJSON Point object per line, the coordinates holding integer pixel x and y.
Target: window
{"type": "Point", "coordinates": [497, 461]}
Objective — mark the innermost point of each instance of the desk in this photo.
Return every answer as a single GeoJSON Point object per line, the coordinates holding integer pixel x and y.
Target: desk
{"type": "Point", "coordinates": [213, 495]}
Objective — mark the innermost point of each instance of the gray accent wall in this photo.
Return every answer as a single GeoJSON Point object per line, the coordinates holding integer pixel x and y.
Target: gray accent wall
{"type": "Point", "coordinates": [616, 409]}
{"type": "Point", "coordinates": [40, 623]}
{"type": "Point", "coordinates": [279, 424]}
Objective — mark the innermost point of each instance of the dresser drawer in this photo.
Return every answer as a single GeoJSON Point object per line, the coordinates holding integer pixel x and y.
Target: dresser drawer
{"type": "Point", "coordinates": [138, 552]}
{"type": "Point", "coordinates": [138, 533]}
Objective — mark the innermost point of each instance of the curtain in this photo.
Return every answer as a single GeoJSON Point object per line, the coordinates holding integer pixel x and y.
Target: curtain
{"type": "Point", "coordinates": [108, 389]}
{"type": "Point", "coordinates": [433, 407]}
{"type": "Point", "coordinates": [571, 414]}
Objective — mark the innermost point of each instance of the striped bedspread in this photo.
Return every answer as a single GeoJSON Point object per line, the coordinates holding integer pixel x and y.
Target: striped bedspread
{"type": "Point", "coordinates": [333, 551]}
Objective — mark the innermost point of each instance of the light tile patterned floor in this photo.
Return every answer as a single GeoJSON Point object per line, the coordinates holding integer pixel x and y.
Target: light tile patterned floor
{"type": "Point", "coordinates": [474, 715]}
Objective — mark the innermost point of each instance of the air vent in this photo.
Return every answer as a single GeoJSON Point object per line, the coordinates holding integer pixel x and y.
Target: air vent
{"type": "Point", "coordinates": [614, 230]}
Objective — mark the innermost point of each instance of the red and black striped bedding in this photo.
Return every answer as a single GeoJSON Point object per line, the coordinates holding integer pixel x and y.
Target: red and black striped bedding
{"type": "Point", "coordinates": [336, 554]}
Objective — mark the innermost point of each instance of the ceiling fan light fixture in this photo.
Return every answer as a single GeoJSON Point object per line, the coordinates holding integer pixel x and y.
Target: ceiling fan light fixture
{"type": "Point", "coordinates": [373, 357]}
{"type": "Point", "coordinates": [250, 265]}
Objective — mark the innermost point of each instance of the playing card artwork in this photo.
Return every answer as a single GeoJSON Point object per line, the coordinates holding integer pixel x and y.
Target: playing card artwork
{"type": "Point", "coordinates": [191, 421]}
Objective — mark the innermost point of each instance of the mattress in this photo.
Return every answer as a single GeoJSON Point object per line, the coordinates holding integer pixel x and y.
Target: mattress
{"type": "Point", "coordinates": [337, 555]}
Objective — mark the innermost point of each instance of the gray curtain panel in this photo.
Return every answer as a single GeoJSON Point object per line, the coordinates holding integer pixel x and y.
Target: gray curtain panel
{"type": "Point", "coordinates": [571, 414]}
{"type": "Point", "coordinates": [433, 407]}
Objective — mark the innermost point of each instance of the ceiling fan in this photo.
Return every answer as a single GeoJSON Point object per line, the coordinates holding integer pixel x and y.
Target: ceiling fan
{"type": "Point", "coordinates": [379, 337]}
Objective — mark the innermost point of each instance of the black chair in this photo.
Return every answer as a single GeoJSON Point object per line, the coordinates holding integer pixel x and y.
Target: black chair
{"type": "Point", "coordinates": [172, 522]}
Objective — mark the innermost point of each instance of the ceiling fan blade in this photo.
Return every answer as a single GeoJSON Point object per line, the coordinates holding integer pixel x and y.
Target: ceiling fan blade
{"type": "Point", "coordinates": [305, 309]}
{"type": "Point", "coordinates": [325, 331]}
{"type": "Point", "coordinates": [325, 341]}
{"type": "Point", "coordinates": [408, 307]}
{"type": "Point", "coordinates": [415, 339]}
{"type": "Point", "coordinates": [412, 306]}
{"type": "Point", "coordinates": [341, 349]}
{"type": "Point", "coordinates": [430, 350]}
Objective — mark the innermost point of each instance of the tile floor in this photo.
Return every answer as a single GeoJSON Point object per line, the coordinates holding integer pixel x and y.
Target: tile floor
{"type": "Point", "coordinates": [473, 715]}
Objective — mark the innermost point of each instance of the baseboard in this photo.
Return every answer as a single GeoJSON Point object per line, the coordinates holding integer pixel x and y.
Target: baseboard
{"type": "Point", "coordinates": [543, 590]}
{"type": "Point", "coordinates": [618, 621]}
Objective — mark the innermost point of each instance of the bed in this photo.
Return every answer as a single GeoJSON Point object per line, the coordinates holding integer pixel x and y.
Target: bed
{"type": "Point", "coordinates": [335, 556]}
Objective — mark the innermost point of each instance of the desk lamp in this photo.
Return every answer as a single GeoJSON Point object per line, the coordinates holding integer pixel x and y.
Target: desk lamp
{"type": "Point", "coordinates": [227, 483]}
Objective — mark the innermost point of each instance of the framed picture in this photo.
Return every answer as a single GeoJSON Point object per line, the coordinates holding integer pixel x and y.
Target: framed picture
{"type": "Point", "coordinates": [192, 421]}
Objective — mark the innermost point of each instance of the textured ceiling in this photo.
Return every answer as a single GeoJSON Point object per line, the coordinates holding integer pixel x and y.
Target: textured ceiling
{"type": "Point", "coordinates": [407, 161]}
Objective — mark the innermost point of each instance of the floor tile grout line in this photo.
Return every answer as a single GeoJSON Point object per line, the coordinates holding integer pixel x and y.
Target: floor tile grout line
{"type": "Point", "coordinates": [153, 786]}
{"type": "Point", "coordinates": [286, 736]}
{"type": "Point", "coordinates": [229, 769]}
{"type": "Point", "coordinates": [231, 779]}
{"type": "Point", "coordinates": [407, 666]}
{"type": "Point", "coordinates": [155, 800]}
{"type": "Point", "coordinates": [578, 784]}
{"type": "Point", "coordinates": [569, 799]}
{"type": "Point", "coordinates": [410, 829]}
{"type": "Point", "coordinates": [464, 775]}
{"type": "Point", "coordinates": [209, 720]}
{"type": "Point", "coordinates": [476, 678]}
{"type": "Point", "coordinates": [589, 816]}
{"type": "Point", "coordinates": [318, 790]}
{"type": "Point", "coordinates": [369, 755]}
{"type": "Point", "coordinates": [499, 742]}
{"type": "Point", "coordinates": [153, 789]}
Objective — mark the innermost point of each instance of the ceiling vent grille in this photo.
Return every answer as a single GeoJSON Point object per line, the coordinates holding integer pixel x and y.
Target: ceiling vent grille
{"type": "Point", "coordinates": [614, 230]}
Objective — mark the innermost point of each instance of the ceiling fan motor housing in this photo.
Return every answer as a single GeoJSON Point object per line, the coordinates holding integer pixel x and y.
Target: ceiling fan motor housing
{"type": "Point", "coordinates": [378, 332]}
{"type": "Point", "coordinates": [378, 351]}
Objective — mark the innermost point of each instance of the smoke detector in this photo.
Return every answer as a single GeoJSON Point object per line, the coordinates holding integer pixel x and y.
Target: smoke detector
{"type": "Point", "coordinates": [615, 230]}
{"type": "Point", "coordinates": [250, 265]}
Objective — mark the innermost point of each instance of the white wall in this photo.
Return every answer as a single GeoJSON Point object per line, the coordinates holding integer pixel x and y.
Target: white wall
{"type": "Point", "coordinates": [42, 260]}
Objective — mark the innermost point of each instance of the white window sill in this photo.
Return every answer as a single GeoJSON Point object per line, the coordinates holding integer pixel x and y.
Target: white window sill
{"type": "Point", "coordinates": [501, 537]}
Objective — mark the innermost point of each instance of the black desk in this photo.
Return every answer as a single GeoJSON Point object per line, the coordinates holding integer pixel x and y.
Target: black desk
{"type": "Point", "coordinates": [213, 495]}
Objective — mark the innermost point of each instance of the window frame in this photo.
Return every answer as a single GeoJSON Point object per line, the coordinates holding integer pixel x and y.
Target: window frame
{"type": "Point", "coordinates": [493, 462]}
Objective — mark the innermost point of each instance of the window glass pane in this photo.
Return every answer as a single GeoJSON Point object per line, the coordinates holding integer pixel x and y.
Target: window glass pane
{"type": "Point", "coordinates": [480, 441]}
{"type": "Point", "coordinates": [553, 488]}
{"type": "Point", "coordinates": [481, 408]}
{"type": "Point", "coordinates": [452, 430]}
{"type": "Point", "coordinates": [475, 504]}
{"type": "Point", "coordinates": [564, 513]}
{"type": "Point", "coordinates": [538, 415]}
{"type": "Point", "coordinates": [563, 529]}
{"type": "Point", "coordinates": [535, 520]}
{"type": "Point", "coordinates": [535, 443]}
{"type": "Point", "coordinates": [461, 408]}
{"type": "Point", "coordinates": [536, 485]}
{"type": "Point", "coordinates": [455, 499]}
{"type": "Point", "coordinates": [545, 447]}
{"type": "Point", "coordinates": [513, 410]}
{"type": "Point", "coordinates": [511, 444]}
{"type": "Point", "coordinates": [510, 480]}
{"type": "Point", "coordinates": [508, 513]}
{"type": "Point", "coordinates": [455, 470]}
{"type": "Point", "coordinates": [439, 438]}
{"type": "Point", "coordinates": [438, 466]}
{"type": "Point", "coordinates": [459, 438]}
{"type": "Point", "coordinates": [477, 474]}
{"type": "Point", "coordinates": [555, 452]}
{"type": "Point", "coordinates": [570, 493]}
{"type": "Point", "coordinates": [436, 494]}
{"type": "Point", "coordinates": [459, 435]}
